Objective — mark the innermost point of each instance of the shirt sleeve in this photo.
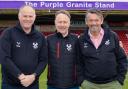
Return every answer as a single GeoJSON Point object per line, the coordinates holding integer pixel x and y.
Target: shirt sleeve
{"type": "Point", "coordinates": [6, 57]}
{"type": "Point", "coordinates": [42, 58]}
{"type": "Point", "coordinates": [121, 61]}
{"type": "Point", "coordinates": [80, 63]}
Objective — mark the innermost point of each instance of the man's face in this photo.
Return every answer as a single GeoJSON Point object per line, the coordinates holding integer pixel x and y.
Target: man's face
{"type": "Point", "coordinates": [27, 17]}
{"type": "Point", "coordinates": [94, 22]}
{"type": "Point", "coordinates": [62, 23]}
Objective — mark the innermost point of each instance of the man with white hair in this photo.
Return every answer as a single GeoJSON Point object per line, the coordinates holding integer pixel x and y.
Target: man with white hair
{"type": "Point", "coordinates": [24, 53]}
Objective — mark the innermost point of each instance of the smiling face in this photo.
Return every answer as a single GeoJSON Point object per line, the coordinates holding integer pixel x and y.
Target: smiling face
{"type": "Point", "coordinates": [94, 22]}
{"type": "Point", "coordinates": [26, 17]}
{"type": "Point", "coordinates": [62, 23]}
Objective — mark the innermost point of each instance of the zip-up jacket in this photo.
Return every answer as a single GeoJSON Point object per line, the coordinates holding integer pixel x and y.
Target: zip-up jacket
{"type": "Point", "coordinates": [62, 55]}
{"type": "Point", "coordinates": [106, 63]}
{"type": "Point", "coordinates": [22, 53]}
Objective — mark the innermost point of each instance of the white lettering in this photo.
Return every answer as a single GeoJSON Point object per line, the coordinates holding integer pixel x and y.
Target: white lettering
{"type": "Point", "coordinates": [31, 4]}
{"type": "Point", "coordinates": [104, 5]}
{"type": "Point", "coordinates": [51, 5]}
{"type": "Point", "coordinates": [79, 4]}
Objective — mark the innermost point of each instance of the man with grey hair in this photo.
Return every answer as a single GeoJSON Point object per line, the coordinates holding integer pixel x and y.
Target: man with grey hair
{"type": "Point", "coordinates": [102, 61]}
{"type": "Point", "coordinates": [24, 53]}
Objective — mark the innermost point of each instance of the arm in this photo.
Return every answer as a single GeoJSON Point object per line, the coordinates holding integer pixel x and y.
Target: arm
{"type": "Point", "coordinates": [42, 58]}
{"type": "Point", "coordinates": [6, 49]}
{"type": "Point", "coordinates": [80, 64]}
{"type": "Point", "coordinates": [121, 60]}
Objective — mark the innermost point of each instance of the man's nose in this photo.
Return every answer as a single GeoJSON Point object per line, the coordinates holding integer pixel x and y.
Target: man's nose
{"type": "Point", "coordinates": [94, 22]}
{"type": "Point", "coordinates": [27, 18]}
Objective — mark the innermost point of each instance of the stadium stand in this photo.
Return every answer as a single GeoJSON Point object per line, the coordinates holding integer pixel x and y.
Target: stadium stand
{"type": "Point", "coordinates": [123, 36]}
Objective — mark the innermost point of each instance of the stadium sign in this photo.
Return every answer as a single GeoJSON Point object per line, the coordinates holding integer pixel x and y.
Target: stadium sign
{"type": "Point", "coordinates": [67, 5]}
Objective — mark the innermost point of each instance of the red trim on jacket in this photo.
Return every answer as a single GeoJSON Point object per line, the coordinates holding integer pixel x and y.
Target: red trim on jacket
{"type": "Point", "coordinates": [58, 50]}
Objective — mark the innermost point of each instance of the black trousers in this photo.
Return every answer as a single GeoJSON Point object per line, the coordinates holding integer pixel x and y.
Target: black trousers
{"type": "Point", "coordinates": [7, 86]}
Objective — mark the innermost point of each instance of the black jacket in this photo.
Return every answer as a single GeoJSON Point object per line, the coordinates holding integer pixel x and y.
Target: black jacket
{"type": "Point", "coordinates": [62, 55]}
{"type": "Point", "coordinates": [22, 53]}
{"type": "Point", "coordinates": [105, 64]}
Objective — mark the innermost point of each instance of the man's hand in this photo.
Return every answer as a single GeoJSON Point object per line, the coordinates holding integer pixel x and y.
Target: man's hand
{"type": "Point", "coordinates": [28, 80]}
{"type": "Point", "coordinates": [21, 77]}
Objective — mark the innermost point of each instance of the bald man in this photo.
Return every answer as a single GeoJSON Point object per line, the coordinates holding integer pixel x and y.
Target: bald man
{"type": "Point", "coordinates": [24, 53]}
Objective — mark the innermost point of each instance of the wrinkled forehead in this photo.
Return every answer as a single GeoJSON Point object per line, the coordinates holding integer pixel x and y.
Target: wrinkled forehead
{"type": "Point", "coordinates": [62, 16]}
{"type": "Point", "coordinates": [27, 10]}
{"type": "Point", "coordinates": [94, 15]}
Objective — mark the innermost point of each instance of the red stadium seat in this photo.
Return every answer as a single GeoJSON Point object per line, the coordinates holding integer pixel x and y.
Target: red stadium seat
{"type": "Point", "coordinates": [123, 36]}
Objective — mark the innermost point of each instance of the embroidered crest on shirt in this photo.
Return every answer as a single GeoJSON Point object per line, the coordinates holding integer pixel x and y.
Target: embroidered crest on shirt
{"type": "Point", "coordinates": [85, 45]}
{"type": "Point", "coordinates": [107, 42]}
{"type": "Point", "coordinates": [18, 44]}
{"type": "Point", "coordinates": [35, 45]}
{"type": "Point", "coordinates": [69, 47]}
